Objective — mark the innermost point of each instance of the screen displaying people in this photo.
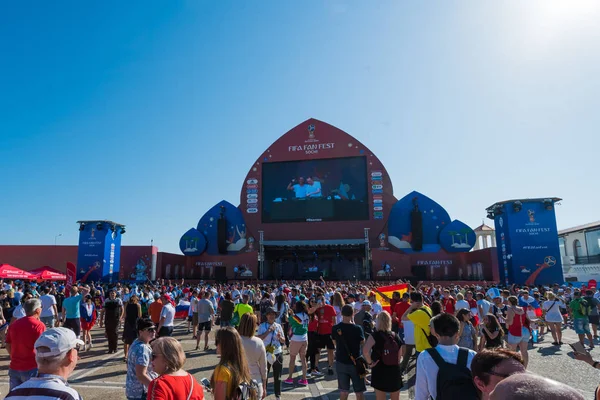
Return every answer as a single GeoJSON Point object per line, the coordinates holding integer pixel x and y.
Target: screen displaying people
{"type": "Point", "coordinates": [335, 188]}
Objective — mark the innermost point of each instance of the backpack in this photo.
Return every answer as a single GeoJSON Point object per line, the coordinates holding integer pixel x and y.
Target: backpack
{"type": "Point", "coordinates": [391, 348]}
{"type": "Point", "coordinates": [454, 381]}
{"type": "Point", "coordinates": [585, 307]}
{"type": "Point", "coordinates": [246, 391]}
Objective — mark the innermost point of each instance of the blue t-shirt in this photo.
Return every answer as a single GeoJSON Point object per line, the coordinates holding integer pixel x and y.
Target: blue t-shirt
{"type": "Point", "coordinates": [313, 188]}
{"type": "Point", "coordinates": [300, 190]}
{"type": "Point", "coordinates": [71, 306]}
{"type": "Point", "coordinates": [139, 354]}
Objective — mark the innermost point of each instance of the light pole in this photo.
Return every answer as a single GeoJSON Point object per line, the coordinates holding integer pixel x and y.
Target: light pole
{"type": "Point", "coordinates": [56, 237]}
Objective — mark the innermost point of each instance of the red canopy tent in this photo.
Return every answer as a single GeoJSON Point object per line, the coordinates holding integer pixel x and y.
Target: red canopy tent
{"type": "Point", "coordinates": [9, 272]}
{"type": "Point", "coordinates": [47, 273]}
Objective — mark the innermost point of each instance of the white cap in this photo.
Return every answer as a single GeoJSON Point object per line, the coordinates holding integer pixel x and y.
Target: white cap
{"type": "Point", "coordinates": [366, 303]}
{"type": "Point", "coordinates": [58, 340]}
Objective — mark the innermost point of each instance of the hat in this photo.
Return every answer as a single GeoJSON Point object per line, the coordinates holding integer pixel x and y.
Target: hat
{"type": "Point", "coordinates": [58, 340]}
{"type": "Point", "coordinates": [366, 303]}
{"type": "Point", "coordinates": [271, 310]}
{"type": "Point", "coordinates": [157, 295]}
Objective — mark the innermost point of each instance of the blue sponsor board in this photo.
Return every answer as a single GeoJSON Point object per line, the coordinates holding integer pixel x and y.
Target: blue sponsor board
{"type": "Point", "coordinates": [99, 252]}
{"type": "Point", "coordinates": [376, 178]}
{"type": "Point", "coordinates": [527, 240]}
{"type": "Point", "coordinates": [377, 191]}
{"type": "Point", "coordinates": [251, 191]}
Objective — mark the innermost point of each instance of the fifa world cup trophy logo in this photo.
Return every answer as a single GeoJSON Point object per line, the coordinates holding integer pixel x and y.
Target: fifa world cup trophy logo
{"type": "Point", "coordinates": [311, 131]}
{"type": "Point", "coordinates": [531, 214]}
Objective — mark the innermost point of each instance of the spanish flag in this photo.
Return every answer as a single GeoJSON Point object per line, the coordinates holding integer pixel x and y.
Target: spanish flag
{"type": "Point", "coordinates": [384, 294]}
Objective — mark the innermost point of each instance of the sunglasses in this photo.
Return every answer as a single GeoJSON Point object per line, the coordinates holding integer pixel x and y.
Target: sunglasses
{"type": "Point", "coordinates": [503, 376]}
{"type": "Point", "coordinates": [151, 330]}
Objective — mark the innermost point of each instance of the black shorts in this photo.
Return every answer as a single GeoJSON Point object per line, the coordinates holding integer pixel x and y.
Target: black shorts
{"type": "Point", "coordinates": [594, 319]}
{"type": "Point", "coordinates": [325, 341]}
{"type": "Point", "coordinates": [165, 331]}
{"type": "Point", "coordinates": [204, 326]}
{"type": "Point", "coordinates": [73, 324]}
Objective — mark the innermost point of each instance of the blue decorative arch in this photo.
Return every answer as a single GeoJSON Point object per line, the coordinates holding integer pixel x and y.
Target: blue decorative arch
{"type": "Point", "coordinates": [236, 228]}
{"type": "Point", "coordinates": [457, 237]}
{"type": "Point", "coordinates": [192, 243]}
{"type": "Point", "coordinates": [435, 218]}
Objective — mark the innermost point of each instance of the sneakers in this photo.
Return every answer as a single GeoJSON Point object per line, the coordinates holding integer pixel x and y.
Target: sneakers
{"type": "Point", "coordinates": [309, 375]}
{"type": "Point", "coordinates": [289, 381]}
{"type": "Point", "coordinates": [316, 372]}
{"type": "Point", "coordinates": [302, 382]}
{"type": "Point", "coordinates": [329, 371]}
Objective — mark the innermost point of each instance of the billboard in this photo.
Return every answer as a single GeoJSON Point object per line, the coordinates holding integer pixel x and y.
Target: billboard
{"type": "Point", "coordinates": [332, 189]}
{"type": "Point", "coordinates": [527, 240]}
{"type": "Point", "coordinates": [99, 252]}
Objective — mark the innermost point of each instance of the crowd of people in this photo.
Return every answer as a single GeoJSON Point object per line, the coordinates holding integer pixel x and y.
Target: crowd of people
{"type": "Point", "coordinates": [468, 341]}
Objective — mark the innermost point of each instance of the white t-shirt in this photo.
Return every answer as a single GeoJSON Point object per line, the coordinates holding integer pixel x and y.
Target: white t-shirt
{"type": "Point", "coordinates": [19, 312]}
{"type": "Point", "coordinates": [304, 319]}
{"type": "Point", "coordinates": [553, 310]}
{"type": "Point", "coordinates": [338, 314]}
{"type": "Point", "coordinates": [376, 309]}
{"type": "Point", "coordinates": [485, 305]}
{"type": "Point", "coordinates": [168, 311]}
{"type": "Point", "coordinates": [409, 332]}
{"type": "Point", "coordinates": [48, 301]}
{"type": "Point", "coordinates": [236, 296]}
{"type": "Point", "coordinates": [460, 304]}
{"type": "Point", "coordinates": [427, 370]}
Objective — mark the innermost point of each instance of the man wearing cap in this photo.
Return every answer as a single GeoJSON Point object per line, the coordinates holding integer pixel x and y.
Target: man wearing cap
{"type": "Point", "coordinates": [56, 357]}
{"type": "Point", "coordinates": [271, 333]}
{"type": "Point", "coordinates": [363, 318]}
{"type": "Point", "coordinates": [20, 339]}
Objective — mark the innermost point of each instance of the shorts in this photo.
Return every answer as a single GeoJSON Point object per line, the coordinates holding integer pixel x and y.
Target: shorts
{"type": "Point", "coordinates": [190, 318]}
{"type": "Point", "coordinates": [48, 321]}
{"type": "Point", "coordinates": [298, 348]}
{"type": "Point", "coordinates": [195, 318]}
{"type": "Point", "coordinates": [594, 319]}
{"type": "Point", "coordinates": [165, 331]}
{"type": "Point", "coordinates": [524, 338]}
{"type": "Point", "coordinates": [346, 373]}
{"type": "Point", "coordinates": [325, 341]}
{"type": "Point", "coordinates": [581, 326]}
{"type": "Point", "coordinates": [73, 324]}
{"type": "Point", "coordinates": [204, 326]}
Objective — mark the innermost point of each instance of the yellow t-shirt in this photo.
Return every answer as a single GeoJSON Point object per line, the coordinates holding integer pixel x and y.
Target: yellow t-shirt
{"type": "Point", "coordinates": [223, 374]}
{"type": "Point", "coordinates": [421, 321]}
{"type": "Point", "coordinates": [242, 309]}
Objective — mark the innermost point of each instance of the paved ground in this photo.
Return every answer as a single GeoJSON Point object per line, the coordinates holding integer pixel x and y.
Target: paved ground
{"type": "Point", "coordinates": [99, 375]}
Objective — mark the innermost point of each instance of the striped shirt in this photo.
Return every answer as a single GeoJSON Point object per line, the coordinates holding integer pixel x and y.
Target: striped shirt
{"type": "Point", "coordinates": [44, 387]}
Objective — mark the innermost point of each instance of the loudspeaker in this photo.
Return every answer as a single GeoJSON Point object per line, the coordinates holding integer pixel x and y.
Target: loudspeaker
{"type": "Point", "coordinates": [416, 223]}
{"type": "Point", "coordinates": [220, 273]}
{"type": "Point", "coordinates": [419, 271]}
{"type": "Point", "coordinates": [222, 235]}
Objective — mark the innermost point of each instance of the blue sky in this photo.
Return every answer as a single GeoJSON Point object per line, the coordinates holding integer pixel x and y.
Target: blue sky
{"type": "Point", "coordinates": [148, 113]}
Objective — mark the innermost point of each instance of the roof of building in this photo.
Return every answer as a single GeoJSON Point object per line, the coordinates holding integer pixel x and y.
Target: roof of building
{"type": "Point", "coordinates": [95, 221]}
{"type": "Point", "coordinates": [541, 199]}
{"type": "Point", "coordinates": [484, 228]}
{"type": "Point", "coordinates": [578, 228]}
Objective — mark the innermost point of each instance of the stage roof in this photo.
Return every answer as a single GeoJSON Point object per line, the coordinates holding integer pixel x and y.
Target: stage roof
{"type": "Point", "coordinates": [337, 242]}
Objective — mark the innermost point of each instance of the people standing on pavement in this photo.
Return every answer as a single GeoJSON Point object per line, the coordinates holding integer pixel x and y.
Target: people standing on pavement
{"type": "Point", "coordinates": [205, 319]}
{"type": "Point", "coordinates": [491, 333]}
{"type": "Point", "coordinates": [88, 316]}
{"type": "Point", "coordinates": [273, 337]}
{"type": "Point", "coordinates": [347, 338]}
{"type": "Point", "coordinates": [155, 309]}
{"type": "Point", "coordinates": [580, 310]}
{"type": "Point", "coordinates": [383, 351]}
{"type": "Point", "coordinates": [467, 332]}
{"type": "Point", "coordinates": [167, 317]}
{"type": "Point", "coordinates": [593, 316]}
{"type": "Point", "coordinates": [70, 309]}
{"type": "Point", "coordinates": [241, 309]}
{"type": "Point", "coordinates": [232, 368]}
{"type": "Point", "coordinates": [282, 307]}
{"type": "Point", "coordinates": [173, 383]}
{"type": "Point", "coordinates": [327, 319]}
{"type": "Point", "coordinates": [133, 312]}
{"type": "Point", "coordinates": [49, 314]}
{"type": "Point", "coordinates": [298, 342]}
{"type": "Point", "coordinates": [111, 316]}
{"type": "Point", "coordinates": [20, 340]}
{"type": "Point", "coordinates": [56, 358]}
{"type": "Point", "coordinates": [139, 367]}
{"type": "Point", "coordinates": [256, 355]}
{"type": "Point", "coordinates": [420, 315]}
{"type": "Point", "coordinates": [226, 306]}
{"type": "Point", "coordinates": [193, 317]}
{"type": "Point", "coordinates": [553, 316]}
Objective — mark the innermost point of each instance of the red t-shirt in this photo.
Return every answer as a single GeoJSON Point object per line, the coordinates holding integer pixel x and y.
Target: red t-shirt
{"type": "Point", "coordinates": [400, 309]}
{"type": "Point", "coordinates": [449, 305]}
{"type": "Point", "coordinates": [167, 387]}
{"type": "Point", "coordinates": [22, 335]}
{"type": "Point", "coordinates": [326, 319]}
{"type": "Point", "coordinates": [313, 324]}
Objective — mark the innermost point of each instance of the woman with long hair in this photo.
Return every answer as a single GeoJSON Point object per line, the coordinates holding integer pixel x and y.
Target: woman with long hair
{"type": "Point", "coordinates": [313, 339]}
{"type": "Point", "coordinates": [553, 317]}
{"type": "Point", "coordinates": [174, 382]}
{"type": "Point", "coordinates": [256, 354]}
{"type": "Point", "coordinates": [386, 376]}
{"type": "Point", "coordinates": [517, 324]}
{"type": "Point", "coordinates": [298, 342]}
{"type": "Point", "coordinates": [338, 303]}
{"type": "Point", "coordinates": [466, 332]}
{"type": "Point", "coordinates": [492, 333]}
{"type": "Point", "coordinates": [232, 368]}
{"type": "Point", "coordinates": [88, 316]}
{"type": "Point", "coordinates": [133, 311]}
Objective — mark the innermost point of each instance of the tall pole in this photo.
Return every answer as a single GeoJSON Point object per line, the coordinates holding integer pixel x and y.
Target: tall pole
{"type": "Point", "coordinates": [56, 237]}
{"type": "Point", "coordinates": [367, 263]}
{"type": "Point", "coordinates": [261, 254]}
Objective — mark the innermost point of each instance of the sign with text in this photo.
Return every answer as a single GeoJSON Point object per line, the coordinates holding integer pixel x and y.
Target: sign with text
{"type": "Point", "coordinates": [99, 252]}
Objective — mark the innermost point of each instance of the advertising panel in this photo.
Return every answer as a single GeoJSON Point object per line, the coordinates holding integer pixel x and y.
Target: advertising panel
{"type": "Point", "coordinates": [98, 256]}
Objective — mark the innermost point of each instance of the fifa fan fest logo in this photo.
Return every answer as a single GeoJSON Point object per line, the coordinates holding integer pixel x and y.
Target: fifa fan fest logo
{"type": "Point", "coordinates": [531, 214]}
{"type": "Point", "coordinates": [311, 131]}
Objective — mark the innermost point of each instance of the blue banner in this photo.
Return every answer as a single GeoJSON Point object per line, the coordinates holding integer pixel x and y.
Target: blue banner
{"type": "Point", "coordinates": [527, 240]}
{"type": "Point", "coordinates": [99, 252]}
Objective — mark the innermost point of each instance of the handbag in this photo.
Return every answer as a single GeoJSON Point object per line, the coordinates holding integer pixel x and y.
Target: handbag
{"type": "Point", "coordinates": [432, 340]}
{"type": "Point", "coordinates": [359, 362]}
{"type": "Point", "coordinates": [235, 318]}
{"type": "Point", "coordinates": [192, 388]}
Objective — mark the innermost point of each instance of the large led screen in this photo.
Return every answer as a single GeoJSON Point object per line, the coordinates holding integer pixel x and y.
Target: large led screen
{"type": "Point", "coordinates": [315, 190]}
